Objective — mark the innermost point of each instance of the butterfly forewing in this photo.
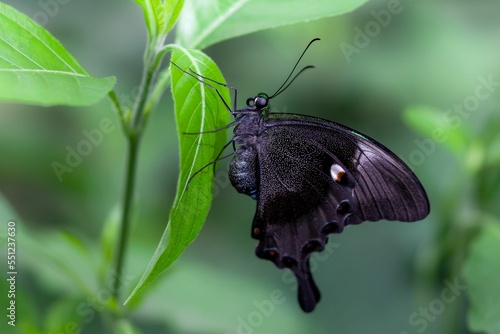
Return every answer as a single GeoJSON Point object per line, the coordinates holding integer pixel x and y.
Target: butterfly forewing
{"type": "Point", "coordinates": [384, 186]}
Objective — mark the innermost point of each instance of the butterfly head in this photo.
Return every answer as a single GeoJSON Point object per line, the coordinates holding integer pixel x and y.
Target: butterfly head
{"type": "Point", "coordinates": [259, 102]}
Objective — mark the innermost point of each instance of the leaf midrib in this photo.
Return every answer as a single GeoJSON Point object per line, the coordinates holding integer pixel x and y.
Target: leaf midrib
{"type": "Point", "coordinates": [16, 70]}
{"type": "Point", "coordinates": [48, 47]}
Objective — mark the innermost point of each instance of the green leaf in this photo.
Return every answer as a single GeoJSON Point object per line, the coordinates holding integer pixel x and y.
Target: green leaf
{"type": "Point", "coordinates": [204, 23]}
{"type": "Point", "coordinates": [160, 17]}
{"type": "Point", "coordinates": [198, 109]}
{"type": "Point", "coordinates": [453, 134]}
{"type": "Point", "coordinates": [481, 273]}
{"type": "Point", "coordinates": [36, 69]}
{"type": "Point", "coordinates": [154, 15]}
{"type": "Point", "coordinates": [173, 9]}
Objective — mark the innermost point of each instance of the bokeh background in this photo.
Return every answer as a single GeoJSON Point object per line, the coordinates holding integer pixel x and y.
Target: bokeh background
{"type": "Point", "coordinates": [431, 53]}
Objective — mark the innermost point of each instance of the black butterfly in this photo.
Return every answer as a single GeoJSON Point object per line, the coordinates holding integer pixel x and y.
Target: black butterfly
{"type": "Point", "coordinates": [311, 177]}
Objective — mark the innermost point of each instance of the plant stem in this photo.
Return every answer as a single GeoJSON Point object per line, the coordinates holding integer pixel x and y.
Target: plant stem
{"type": "Point", "coordinates": [132, 153]}
{"type": "Point", "coordinates": [141, 112]}
{"type": "Point", "coordinates": [138, 111]}
{"type": "Point", "coordinates": [133, 129]}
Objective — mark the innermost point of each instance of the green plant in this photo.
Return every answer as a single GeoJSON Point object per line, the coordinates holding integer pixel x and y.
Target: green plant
{"type": "Point", "coordinates": [36, 69]}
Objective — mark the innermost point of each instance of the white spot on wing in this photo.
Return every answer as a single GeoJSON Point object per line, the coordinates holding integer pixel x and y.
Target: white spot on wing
{"type": "Point", "coordinates": [337, 172]}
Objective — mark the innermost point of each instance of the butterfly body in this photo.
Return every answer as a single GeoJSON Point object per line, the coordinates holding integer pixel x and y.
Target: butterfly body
{"type": "Point", "coordinates": [312, 177]}
{"type": "Point", "coordinates": [244, 166]}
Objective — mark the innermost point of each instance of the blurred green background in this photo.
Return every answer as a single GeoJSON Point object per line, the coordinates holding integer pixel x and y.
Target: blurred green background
{"type": "Point", "coordinates": [431, 53]}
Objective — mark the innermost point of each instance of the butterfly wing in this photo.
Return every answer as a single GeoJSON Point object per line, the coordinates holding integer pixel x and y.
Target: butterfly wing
{"type": "Point", "coordinates": [316, 177]}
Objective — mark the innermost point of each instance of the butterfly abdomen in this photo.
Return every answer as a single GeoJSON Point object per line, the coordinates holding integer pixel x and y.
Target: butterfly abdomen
{"type": "Point", "coordinates": [243, 171]}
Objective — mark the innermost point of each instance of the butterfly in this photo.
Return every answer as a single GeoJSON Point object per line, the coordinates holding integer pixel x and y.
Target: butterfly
{"type": "Point", "coordinates": [311, 178]}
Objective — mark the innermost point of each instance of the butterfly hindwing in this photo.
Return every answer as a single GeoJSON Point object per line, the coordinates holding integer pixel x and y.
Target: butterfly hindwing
{"type": "Point", "coordinates": [314, 178]}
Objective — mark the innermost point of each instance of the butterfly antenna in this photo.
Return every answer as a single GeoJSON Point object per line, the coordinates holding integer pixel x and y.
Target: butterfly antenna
{"type": "Point", "coordinates": [286, 83]}
{"type": "Point", "coordinates": [295, 77]}
{"type": "Point", "coordinates": [196, 76]}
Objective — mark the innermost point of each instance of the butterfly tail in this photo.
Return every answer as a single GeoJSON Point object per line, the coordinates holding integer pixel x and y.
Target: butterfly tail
{"type": "Point", "coordinates": [309, 294]}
